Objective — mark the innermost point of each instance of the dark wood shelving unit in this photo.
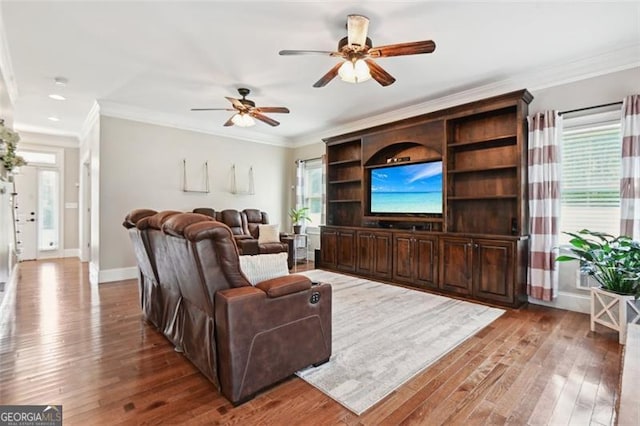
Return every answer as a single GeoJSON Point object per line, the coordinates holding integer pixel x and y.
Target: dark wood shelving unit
{"type": "Point", "coordinates": [478, 247]}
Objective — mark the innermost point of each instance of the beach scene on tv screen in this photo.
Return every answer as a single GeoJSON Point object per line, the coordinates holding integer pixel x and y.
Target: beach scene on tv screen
{"type": "Point", "coordinates": [409, 188]}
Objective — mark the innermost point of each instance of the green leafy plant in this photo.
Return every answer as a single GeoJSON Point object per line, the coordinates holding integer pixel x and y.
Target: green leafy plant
{"type": "Point", "coordinates": [614, 262]}
{"type": "Point", "coordinates": [299, 215]}
{"type": "Point", "coordinates": [8, 145]}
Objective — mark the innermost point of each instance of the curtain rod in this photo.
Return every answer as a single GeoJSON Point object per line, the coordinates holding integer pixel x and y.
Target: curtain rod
{"type": "Point", "coordinates": [590, 107]}
{"type": "Point", "coordinates": [308, 159]}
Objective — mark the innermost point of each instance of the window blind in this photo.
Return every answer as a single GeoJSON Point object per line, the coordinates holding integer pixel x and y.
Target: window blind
{"type": "Point", "coordinates": [590, 189]}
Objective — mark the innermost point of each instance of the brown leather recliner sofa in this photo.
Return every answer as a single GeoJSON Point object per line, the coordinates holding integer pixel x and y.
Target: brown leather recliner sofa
{"type": "Point", "coordinates": [245, 226]}
{"type": "Point", "coordinates": [242, 338]}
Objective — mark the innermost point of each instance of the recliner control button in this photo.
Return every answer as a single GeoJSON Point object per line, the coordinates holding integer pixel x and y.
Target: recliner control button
{"type": "Point", "coordinates": [315, 297]}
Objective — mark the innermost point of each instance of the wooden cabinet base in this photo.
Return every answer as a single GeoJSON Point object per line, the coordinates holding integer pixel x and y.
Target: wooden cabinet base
{"type": "Point", "coordinates": [489, 269]}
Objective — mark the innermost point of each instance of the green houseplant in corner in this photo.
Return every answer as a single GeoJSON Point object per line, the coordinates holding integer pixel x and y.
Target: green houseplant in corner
{"type": "Point", "coordinates": [298, 216]}
{"type": "Point", "coordinates": [614, 262]}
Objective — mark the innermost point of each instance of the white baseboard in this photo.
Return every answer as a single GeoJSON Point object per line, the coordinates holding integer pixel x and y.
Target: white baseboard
{"type": "Point", "coordinates": [94, 273]}
{"type": "Point", "coordinates": [118, 274]}
{"type": "Point", "coordinates": [568, 301]}
{"type": "Point", "coordinates": [72, 252]}
{"type": "Point", "coordinates": [6, 309]}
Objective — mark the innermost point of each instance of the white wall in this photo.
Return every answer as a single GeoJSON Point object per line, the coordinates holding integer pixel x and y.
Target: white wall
{"type": "Point", "coordinates": [141, 166]}
{"type": "Point", "coordinates": [590, 92]}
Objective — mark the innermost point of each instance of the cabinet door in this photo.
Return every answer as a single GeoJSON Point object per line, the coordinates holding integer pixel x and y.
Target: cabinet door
{"type": "Point", "coordinates": [402, 254]}
{"type": "Point", "coordinates": [366, 253]}
{"type": "Point", "coordinates": [455, 264]}
{"type": "Point", "coordinates": [328, 248]}
{"type": "Point", "coordinates": [493, 270]}
{"type": "Point", "coordinates": [346, 259]}
{"type": "Point", "coordinates": [425, 263]}
{"type": "Point", "coordinates": [381, 242]}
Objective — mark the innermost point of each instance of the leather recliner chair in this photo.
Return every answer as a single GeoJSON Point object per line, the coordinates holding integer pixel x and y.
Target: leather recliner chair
{"type": "Point", "coordinates": [243, 338]}
{"type": "Point", "coordinates": [148, 286]}
{"type": "Point", "coordinates": [245, 227]}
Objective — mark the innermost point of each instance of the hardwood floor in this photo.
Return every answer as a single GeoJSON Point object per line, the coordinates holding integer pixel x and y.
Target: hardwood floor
{"type": "Point", "coordinates": [87, 348]}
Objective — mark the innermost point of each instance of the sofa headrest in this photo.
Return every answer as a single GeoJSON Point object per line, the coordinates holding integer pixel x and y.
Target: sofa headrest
{"type": "Point", "coordinates": [207, 211]}
{"type": "Point", "coordinates": [135, 216]}
{"type": "Point", "coordinates": [176, 224]}
{"type": "Point", "coordinates": [208, 230]}
{"type": "Point", "coordinates": [157, 220]}
{"type": "Point", "coordinates": [254, 215]}
{"type": "Point", "coordinates": [231, 218]}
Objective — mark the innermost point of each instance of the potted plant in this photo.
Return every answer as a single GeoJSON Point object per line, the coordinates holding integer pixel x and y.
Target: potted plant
{"type": "Point", "coordinates": [297, 217]}
{"type": "Point", "coordinates": [614, 262]}
{"type": "Point", "coordinates": [8, 145]}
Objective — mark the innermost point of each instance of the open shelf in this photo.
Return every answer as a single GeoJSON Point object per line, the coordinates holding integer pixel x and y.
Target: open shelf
{"type": "Point", "coordinates": [344, 201]}
{"type": "Point", "coordinates": [339, 162]}
{"type": "Point", "coordinates": [483, 197]}
{"type": "Point", "coordinates": [483, 169]}
{"type": "Point", "coordinates": [488, 142]}
{"type": "Point", "coordinates": [343, 181]}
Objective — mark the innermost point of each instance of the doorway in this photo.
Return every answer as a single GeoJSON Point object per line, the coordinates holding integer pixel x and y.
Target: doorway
{"type": "Point", "coordinates": [38, 209]}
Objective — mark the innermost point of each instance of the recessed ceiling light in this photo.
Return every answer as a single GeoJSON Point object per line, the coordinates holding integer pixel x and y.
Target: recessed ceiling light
{"type": "Point", "coordinates": [52, 118]}
{"type": "Point", "coordinates": [57, 97]}
{"type": "Point", "coordinates": [60, 81]}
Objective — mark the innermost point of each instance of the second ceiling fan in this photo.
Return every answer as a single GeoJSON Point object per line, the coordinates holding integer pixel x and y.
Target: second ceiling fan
{"type": "Point", "coordinates": [358, 52]}
{"type": "Point", "coordinates": [246, 110]}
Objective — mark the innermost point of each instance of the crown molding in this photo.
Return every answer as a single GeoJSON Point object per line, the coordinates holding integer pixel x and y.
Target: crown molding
{"type": "Point", "coordinates": [6, 67]}
{"type": "Point", "coordinates": [626, 57]}
{"type": "Point", "coordinates": [39, 138]}
{"type": "Point", "coordinates": [43, 130]}
{"type": "Point", "coordinates": [127, 112]}
{"type": "Point", "coordinates": [90, 120]}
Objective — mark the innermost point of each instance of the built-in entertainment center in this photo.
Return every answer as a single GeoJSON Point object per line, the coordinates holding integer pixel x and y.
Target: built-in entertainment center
{"type": "Point", "coordinates": [437, 201]}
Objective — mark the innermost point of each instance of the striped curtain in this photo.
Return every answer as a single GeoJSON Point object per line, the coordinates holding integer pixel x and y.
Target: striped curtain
{"type": "Point", "coordinates": [544, 204]}
{"type": "Point", "coordinates": [630, 180]}
{"type": "Point", "coordinates": [323, 210]}
{"type": "Point", "coordinates": [300, 188]}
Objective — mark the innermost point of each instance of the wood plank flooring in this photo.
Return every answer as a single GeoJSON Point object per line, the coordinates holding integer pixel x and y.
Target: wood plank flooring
{"type": "Point", "coordinates": [86, 347]}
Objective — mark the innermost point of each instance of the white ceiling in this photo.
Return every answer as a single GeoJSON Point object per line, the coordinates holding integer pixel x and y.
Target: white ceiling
{"type": "Point", "coordinates": [156, 60]}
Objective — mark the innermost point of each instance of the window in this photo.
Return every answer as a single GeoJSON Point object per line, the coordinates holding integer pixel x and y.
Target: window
{"type": "Point", "coordinates": [312, 192]}
{"type": "Point", "coordinates": [48, 207]}
{"type": "Point", "coordinates": [590, 191]}
{"type": "Point", "coordinates": [33, 157]}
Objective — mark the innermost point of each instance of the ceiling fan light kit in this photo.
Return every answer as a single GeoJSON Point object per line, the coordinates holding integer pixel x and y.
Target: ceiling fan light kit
{"type": "Point", "coordinates": [243, 120]}
{"type": "Point", "coordinates": [358, 52]}
{"type": "Point", "coordinates": [354, 72]}
{"type": "Point", "coordinates": [246, 110]}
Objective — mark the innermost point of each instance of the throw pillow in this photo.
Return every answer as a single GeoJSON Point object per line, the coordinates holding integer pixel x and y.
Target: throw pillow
{"type": "Point", "coordinates": [268, 234]}
{"type": "Point", "coordinates": [262, 267]}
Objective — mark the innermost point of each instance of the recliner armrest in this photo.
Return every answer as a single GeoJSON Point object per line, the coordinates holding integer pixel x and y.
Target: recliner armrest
{"type": "Point", "coordinates": [288, 284]}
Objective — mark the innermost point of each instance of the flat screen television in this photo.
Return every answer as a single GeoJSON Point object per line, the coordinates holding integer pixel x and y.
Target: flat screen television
{"type": "Point", "coordinates": [414, 188]}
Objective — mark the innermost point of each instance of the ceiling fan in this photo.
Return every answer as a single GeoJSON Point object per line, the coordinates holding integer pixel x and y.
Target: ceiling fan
{"type": "Point", "coordinates": [246, 110]}
{"type": "Point", "coordinates": [357, 51]}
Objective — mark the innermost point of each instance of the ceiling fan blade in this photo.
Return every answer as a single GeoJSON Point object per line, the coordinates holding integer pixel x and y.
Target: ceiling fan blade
{"type": "Point", "coordinates": [272, 109]}
{"type": "Point", "coordinates": [212, 109]}
{"type": "Point", "coordinates": [264, 118]}
{"type": "Point", "coordinates": [306, 52]}
{"type": "Point", "coordinates": [401, 49]}
{"type": "Point", "coordinates": [357, 28]}
{"type": "Point", "coordinates": [237, 104]}
{"type": "Point", "coordinates": [328, 76]}
{"type": "Point", "coordinates": [379, 74]}
{"type": "Point", "coordinates": [229, 122]}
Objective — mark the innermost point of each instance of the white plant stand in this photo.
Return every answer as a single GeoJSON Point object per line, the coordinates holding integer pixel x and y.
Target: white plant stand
{"type": "Point", "coordinates": [614, 311]}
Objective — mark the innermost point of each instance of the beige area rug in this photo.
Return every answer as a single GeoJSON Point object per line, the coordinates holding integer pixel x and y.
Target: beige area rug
{"type": "Point", "coordinates": [383, 335]}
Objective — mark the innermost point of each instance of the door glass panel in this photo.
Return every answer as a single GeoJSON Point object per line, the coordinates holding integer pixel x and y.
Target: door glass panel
{"type": "Point", "coordinates": [48, 208]}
